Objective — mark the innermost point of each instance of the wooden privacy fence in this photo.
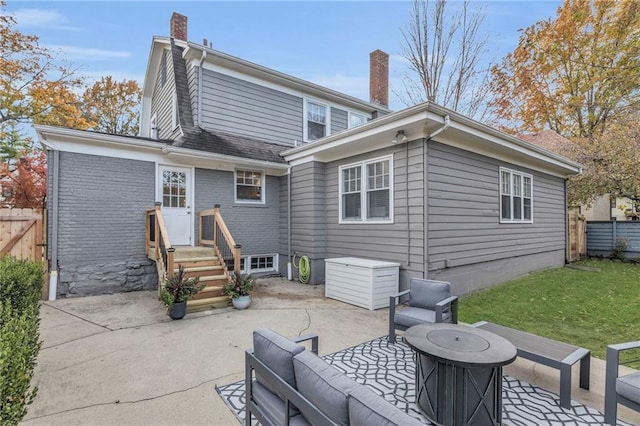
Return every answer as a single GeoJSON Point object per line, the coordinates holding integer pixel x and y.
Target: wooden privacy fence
{"type": "Point", "coordinates": [577, 241]}
{"type": "Point", "coordinates": [604, 235]}
{"type": "Point", "coordinates": [22, 236]}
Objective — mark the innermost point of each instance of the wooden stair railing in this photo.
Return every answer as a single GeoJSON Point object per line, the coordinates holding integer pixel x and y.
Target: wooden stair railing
{"type": "Point", "coordinates": [214, 232]}
{"type": "Point", "coordinates": [157, 238]}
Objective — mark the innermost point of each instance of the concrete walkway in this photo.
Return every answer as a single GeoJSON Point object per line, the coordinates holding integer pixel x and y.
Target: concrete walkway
{"type": "Point", "coordinates": [119, 360]}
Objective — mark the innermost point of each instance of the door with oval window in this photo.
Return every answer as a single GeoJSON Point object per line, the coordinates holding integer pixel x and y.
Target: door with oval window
{"type": "Point", "coordinates": [175, 196]}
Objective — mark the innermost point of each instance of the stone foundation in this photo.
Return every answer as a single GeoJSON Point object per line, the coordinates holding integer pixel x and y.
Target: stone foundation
{"type": "Point", "coordinates": [89, 280]}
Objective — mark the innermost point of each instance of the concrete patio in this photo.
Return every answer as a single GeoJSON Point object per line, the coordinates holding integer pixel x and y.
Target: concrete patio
{"type": "Point", "coordinates": [118, 359]}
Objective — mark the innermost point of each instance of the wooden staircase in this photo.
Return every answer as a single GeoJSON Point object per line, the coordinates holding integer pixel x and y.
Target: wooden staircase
{"type": "Point", "coordinates": [206, 261]}
{"type": "Point", "coordinates": [203, 262]}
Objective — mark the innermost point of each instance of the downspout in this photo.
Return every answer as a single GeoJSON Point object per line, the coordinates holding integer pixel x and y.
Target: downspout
{"type": "Point", "coordinates": [289, 270]}
{"type": "Point", "coordinates": [425, 207]}
{"type": "Point", "coordinates": [202, 58]}
{"type": "Point", "coordinates": [53, 274]}
{"type": "Point", "coordinates": [425, 159]}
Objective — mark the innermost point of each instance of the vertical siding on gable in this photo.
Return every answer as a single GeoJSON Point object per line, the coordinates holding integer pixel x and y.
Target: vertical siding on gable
{"type": "Point", "coordinates": [101, 229]}
{"type": "Point", "coordinates": [243, 108]}
{"type": "Point", "coordinates": [252, 226]}
{"type": "Point", "coordinates": [401, 241]}
{"type": "Point", "coordinates": [162, 100]}
{"type": "Point", "coordinates": [308, 227]}
{"type": "Point", "coordinates": [339, 120]}
{"type": "Point", "coordinates": [464, 226]}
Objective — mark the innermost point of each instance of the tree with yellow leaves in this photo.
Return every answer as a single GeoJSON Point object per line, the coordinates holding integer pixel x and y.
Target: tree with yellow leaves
{"type": "Point", "coordinates": [113, 106]}
{"type": "Point", "coordinates": [33, 87]}
{"type": "Point", "coordinates": [573, 73]}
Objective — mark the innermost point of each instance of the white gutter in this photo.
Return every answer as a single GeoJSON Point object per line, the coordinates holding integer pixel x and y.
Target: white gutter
{"type": "Point", "coordinates": [85, 135]}
{"type": "Point", "coordinates": [445, 126]}
{"type": "Point", "coordinates": [168, 149]}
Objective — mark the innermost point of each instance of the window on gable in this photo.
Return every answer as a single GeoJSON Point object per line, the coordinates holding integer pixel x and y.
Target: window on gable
{"type": "Point", "coordinates": [356, 120]}
{"type": "Point", "coordinates": [366, 193]}
{"type": "Point", "coordinates": [516, 190]}
{"type": "Point", "coordinates": [249, 186]}
{"type": "Point", "coordinates": [316, 120]}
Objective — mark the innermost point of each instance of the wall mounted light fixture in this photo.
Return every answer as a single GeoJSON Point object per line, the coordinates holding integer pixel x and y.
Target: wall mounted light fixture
{"type": "Point", "coordinates": [401, 137]}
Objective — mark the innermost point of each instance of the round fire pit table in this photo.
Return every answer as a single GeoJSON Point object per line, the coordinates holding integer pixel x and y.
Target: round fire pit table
{"type": "Point", "coordinates": [459, 373]}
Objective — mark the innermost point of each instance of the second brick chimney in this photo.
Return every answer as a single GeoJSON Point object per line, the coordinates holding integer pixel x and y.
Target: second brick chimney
{"type": "Point", "coordinates": [178, 26]}
{"type": "Point", "coordinates": [379, 78]}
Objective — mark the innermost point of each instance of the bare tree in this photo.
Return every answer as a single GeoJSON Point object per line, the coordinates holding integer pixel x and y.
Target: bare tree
{"type": "Point", "coordinates": [444, 51]}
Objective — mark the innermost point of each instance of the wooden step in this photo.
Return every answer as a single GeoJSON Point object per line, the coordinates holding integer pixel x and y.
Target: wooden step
{"type": "Point", "coordinates": [209, 292]}
{"type": "Point", "coordinates": [204, 271]}
{"type": "Point", "coordinates": [197, 261]}
{"type": "Point", "coordinates": [206, 304]}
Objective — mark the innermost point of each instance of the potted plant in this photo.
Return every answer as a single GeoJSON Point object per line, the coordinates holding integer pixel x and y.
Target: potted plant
{"type": "Point", "coordinates": [239, 289]}
{"type": "Point", "coordinates": [177, 290]}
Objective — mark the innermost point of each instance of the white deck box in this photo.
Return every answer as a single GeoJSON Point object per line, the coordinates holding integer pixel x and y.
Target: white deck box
{"type": "Point", "coordinates": [361, 282]}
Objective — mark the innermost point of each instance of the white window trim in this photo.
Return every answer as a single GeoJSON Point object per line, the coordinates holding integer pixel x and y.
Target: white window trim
{"type": "Point", "coordinates": [363, 192]}
{"type": "Point", "coordinates": [305, 121]}
{"type": "Point", "coordinates": [522, 174]}
{"type": "Point", "coordinates": [263, 181]}
{"type": "Point", "coordinates": [351, 113]}
{"type": "Point", "coordinates": [247, 264]}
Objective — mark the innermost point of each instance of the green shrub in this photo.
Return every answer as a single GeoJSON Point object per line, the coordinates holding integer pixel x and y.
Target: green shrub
{"type": "Point", "coordinates": [20, 282]}
{"type": "Point", "coordinates": [20, 287]}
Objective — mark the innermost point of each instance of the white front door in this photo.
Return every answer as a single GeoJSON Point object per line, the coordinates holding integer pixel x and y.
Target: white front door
{"type": "Point", "coordinates": [175, 195]}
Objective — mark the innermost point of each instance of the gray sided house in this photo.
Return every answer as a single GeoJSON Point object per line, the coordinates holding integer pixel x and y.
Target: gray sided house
{"type": "Point", "coordinates": [457, 201]}
{"type": "Point", "coordinates": [297, 169]}
{"type": "Point", "coordinates": [213, 127]}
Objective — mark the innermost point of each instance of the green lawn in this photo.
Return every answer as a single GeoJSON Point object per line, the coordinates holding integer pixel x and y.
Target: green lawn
{"type": "Point", "coordinates": [587, 309]}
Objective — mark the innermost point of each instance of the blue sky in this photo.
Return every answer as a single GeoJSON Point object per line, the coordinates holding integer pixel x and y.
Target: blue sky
{"type": "Point", "coordinates": [324, 42]}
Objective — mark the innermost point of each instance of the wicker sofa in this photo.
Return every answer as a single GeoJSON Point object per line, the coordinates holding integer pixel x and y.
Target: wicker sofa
{"type": "Point", "coordinates": [287, 384]}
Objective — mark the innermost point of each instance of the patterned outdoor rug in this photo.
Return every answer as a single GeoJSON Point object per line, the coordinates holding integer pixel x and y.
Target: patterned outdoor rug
{"type": "Point", "coordinates": [390, 371]}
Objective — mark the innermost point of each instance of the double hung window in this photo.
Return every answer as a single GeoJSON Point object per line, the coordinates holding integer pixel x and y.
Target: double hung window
{"type": "Point", "coordinates": [249, 186]}
{"type": "Point", "coordinates": [316, 120]}
{"type": "Point", "coordinates": [515, 196]}
{"type": "Point", "coordinates": [366, 193]}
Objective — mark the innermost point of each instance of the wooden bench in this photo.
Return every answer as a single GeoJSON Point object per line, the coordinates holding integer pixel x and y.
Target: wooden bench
{"type": "Point", "coordinates": [551, 353]}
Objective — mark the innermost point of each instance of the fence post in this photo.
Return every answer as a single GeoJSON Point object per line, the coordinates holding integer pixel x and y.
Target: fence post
{"type": "Point", "coordinates": [615, 235]}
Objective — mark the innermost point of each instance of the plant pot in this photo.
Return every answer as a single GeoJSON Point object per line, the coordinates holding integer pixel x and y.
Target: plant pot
{"type": "Point", "coordinates": [178, 310]}
{"type": "Point", "coordinates": [241, 302]}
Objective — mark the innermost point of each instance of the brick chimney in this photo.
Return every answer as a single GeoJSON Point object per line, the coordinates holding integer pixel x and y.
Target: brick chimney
{"type": "Point", "coordinates": [379, 78]}
{"type": "Point", "coordinates": [178, 26]}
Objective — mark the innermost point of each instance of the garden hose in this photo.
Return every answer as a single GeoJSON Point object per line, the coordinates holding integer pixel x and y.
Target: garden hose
{"type": "Point", "coordinates": [304, 269]}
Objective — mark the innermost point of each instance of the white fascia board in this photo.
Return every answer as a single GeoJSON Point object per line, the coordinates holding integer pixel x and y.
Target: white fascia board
{"type": "Point", "coordinates": [153, 65]}
{"type": "Point", "coordinates": [509, 150]}
{"type": "Point", "coordinates": [273, 168]}
{"type": "Point", "coordinates": [413, 116]}
{"type": "Point", "coordinates": [415, 121]}
{"type": "Point", "coordinates": [488, 132]}
{"type": "Point", "coordinates": [247, 68]}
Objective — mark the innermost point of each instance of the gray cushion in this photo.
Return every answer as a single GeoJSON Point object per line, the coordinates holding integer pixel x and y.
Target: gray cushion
{"type": "Point", "coordinates": [366, 408]}
{"type": "Point", "coordinates": [408, 317]}
{"type": "Point", "coordinates": [629, 387]}
{"type": "Point", "coordinates": [426, 293]}
{"type": "Point", "coordinates": [277, 353]}
{"type": "Point", "coordinates": [273, 407]}
{"type": "Point", "coordinates": [324, 386]}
